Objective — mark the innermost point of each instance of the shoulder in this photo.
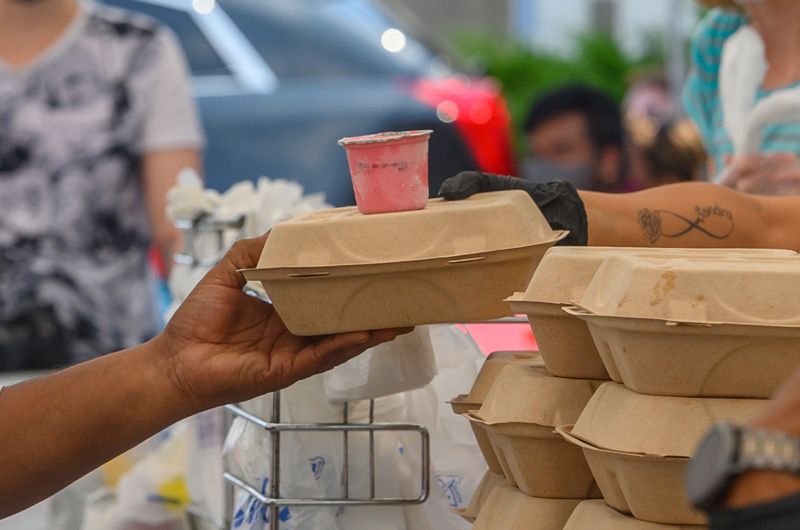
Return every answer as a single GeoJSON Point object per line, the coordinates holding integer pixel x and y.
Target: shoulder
{"type": "Point", "coordinates": [122, 24]}
{"type": "Point", "coordinates": [716, 27]}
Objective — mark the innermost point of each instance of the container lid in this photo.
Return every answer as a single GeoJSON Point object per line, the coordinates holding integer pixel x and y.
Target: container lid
{"type": "Point", "coordinates": [484, 223]}
{"type": "Point", "coordinates": [488, 483]}
{"type": "Point", "coordinates": [621, 420]}
{"type": "Point", "coordinates": [598, 515]}
{"type": "Point", "coordinates": [565, 272]}
{"type": "Point", "coordinates": [757, 290]}
{"type": "Point", "coordinates": [509, 508]}
{"type": "Point", "coordinates": [525, 394]}
{"type": "Point", "coordinates": [492, 367]}
{"type": "Point", "coordinates": [383, 137]}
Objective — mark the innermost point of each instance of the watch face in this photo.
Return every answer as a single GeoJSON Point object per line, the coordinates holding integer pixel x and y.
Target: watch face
{"type": "Point", "coordinates": [711, 466]}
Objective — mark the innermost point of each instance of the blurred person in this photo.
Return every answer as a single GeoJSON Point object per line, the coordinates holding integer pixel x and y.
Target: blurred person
{"type": "Point", "coordinates": [222, 346]}
{"type": "Point", "coordinates": [96, 120]}
{"type": "Point", "coordinates": [649, 96]}
{"type": "Point", "coordinates": [575, 133]}
{"type": "Point", "coordinates": [663, 151]}
{"type": "Point", "coordinates": [736, 40]}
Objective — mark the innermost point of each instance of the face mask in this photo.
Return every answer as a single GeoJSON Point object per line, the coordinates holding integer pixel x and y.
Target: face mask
{"type": "Point", "coordinates": [579, 175]}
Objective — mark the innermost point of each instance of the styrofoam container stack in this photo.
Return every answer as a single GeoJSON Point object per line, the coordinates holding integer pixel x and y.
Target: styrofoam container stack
{"type": "Point", "coordinates": [483, 383]}
{"type": "Point", "coordinates": [455, 261]}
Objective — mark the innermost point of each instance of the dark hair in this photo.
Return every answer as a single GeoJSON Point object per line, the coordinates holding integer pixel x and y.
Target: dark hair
{"type": "Point", "coordinates": [602, 114]}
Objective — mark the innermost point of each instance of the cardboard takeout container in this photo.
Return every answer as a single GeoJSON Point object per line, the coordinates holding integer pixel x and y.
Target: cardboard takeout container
{"type": "Point", "coordinates": [520, 414]}
{"type": "Point", "coordinates": [638, 446]}
{"type": "Point", "coordinates": [702, 360]}
{"type": "Point", "coordinates": [758, 290]}
{"type": "Point", "coordinates": [462, 405]}
{"type": "Point", "coordinates": [508, 508]}
{"type": "Point", "coordinates": [562, 279]}
{"type": "Point", "coordinates": [484, 381]}
{"type": "Point", "coordinates": [597, 515]}
{"type": "Point", "coordinates": [492, 367]}
{"type": "Point", "coordinates": [337, 270]}
{"type": "Point", "coordinates": [488, 483]}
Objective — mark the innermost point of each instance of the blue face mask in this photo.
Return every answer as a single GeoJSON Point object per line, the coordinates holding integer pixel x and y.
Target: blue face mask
{"type": "Point", "coordinates": [535, 170]}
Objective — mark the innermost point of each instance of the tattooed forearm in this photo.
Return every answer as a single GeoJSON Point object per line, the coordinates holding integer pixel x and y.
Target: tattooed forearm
{"type": "Point", "coordinates": [712, 221]}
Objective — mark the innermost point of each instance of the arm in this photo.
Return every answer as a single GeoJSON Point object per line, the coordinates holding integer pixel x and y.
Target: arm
{"type": "Point", "coordinates": [221, 346]}
{"type": "Point", "coordinates": [767, 499]}
{"type": "Point", "coordinates": [171, 140]}
{"type": "Point", "coordinates": [159, 172]}
{"type": "Point", "coordinates": [692, 215]}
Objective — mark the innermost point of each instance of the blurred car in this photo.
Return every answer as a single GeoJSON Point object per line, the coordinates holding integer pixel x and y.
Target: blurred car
{"type": "Point", "coordinates": [280, 81]}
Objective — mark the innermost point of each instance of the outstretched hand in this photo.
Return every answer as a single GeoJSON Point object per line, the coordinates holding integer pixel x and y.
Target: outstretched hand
{"type": "Point", "coordinates": [227, 346]}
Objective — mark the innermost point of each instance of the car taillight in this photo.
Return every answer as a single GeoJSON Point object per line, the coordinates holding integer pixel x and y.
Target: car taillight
{"type": "Point", "coordinates": [478, 110]}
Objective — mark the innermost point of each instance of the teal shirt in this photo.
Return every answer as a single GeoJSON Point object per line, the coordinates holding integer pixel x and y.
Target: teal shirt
{"type": "Point", "coordinates": [701, 94]}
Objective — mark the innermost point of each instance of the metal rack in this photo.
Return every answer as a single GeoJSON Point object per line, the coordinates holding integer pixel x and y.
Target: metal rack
{"type": "Point", "coordinates": [273, 427]}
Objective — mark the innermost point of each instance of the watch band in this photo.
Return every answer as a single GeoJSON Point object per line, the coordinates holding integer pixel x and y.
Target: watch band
{"type": "Point", "coordinates": [769, 450]}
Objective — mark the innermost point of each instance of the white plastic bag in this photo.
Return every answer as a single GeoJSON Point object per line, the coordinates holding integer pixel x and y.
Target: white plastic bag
{"type": "Point", "coordinates": [310, 462]}
{"type": "Point", "coordinates": [406, 363]}
{"type": "Point", "coordinates": [154, 492]}
{"type": "Point", "coordinates": [205, 469]}
{"type": "Point", "coordinates": [457, 464]}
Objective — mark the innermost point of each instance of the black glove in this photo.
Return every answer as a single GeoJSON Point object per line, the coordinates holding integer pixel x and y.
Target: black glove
{"type": "Point", "coordinates": [558, 200]}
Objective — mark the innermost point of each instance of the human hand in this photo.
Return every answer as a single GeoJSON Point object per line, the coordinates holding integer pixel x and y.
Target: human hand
{"type": "Point", "coordinates": [226, 346]}
{"type": "Point", "coordinates": [769, 174]}
{"type": "Point", "coordinates": [559, 201]}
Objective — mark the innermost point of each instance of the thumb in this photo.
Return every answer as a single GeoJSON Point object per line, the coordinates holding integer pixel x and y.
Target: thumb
{"type": "Point", "coordinates": [244, 254]}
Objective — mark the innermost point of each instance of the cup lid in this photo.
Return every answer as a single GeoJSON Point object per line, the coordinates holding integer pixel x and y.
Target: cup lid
{"type": "Point", "coordinates": [383, 137]}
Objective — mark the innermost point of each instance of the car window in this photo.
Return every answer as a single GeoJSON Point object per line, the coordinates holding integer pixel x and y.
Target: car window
{"type": "Point", "coordinates": [203, 59]}
{"type": "Point", "coordinates": [331, 38]}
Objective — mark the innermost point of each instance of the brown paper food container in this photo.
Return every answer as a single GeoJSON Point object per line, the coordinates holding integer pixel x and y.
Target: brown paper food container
{"type": "Point", "coordinates": [564, 341]}
{"type": "Point", "coordinates": [561, 280]}
{"type": "Point", "coordinates": [540, 463]}
{"type": "Point", "coordinates": [529, 394]}
{"type": "Point", "coordinates": [758, 290]}
{"type": "Point", "coordinates": [519, 414]}
{"type": "Point", "coordinates": [649, 487]}
{"type": "Point", "coordinates": [638, 446]}
{"type": "Point", "coordinates": [508, 508]}
{"type": "Point", "coordinates": [597, 515]}
{"type": "Point", "coordinates": [488, 483]}
{"type": "Point", "coordinates": [462, 405]}
{"type": "Point", "coordinates": [705, 360]}
{"type": "Point", "coordinates": [337, 270]}
{"type": "Point", "coordinates": [492, 367]}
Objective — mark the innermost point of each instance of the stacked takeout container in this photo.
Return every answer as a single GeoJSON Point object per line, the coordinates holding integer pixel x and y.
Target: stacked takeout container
{"type": "Point", "coordinates": [688, 337]}
{"type": "Point", "coordinates": [338, 270]}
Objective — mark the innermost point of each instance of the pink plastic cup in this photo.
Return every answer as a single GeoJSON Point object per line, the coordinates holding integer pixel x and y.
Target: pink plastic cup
{"type": "Point", "coordinates": [389, 170]}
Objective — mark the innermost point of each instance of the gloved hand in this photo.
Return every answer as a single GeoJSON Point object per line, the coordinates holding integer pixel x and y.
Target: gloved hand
{"type": "Point", "coordinates": [558, 201]}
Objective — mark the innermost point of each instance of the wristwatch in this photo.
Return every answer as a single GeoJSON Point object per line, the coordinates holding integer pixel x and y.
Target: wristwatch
{"type": "Point", "coordinates": [729, 450]}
